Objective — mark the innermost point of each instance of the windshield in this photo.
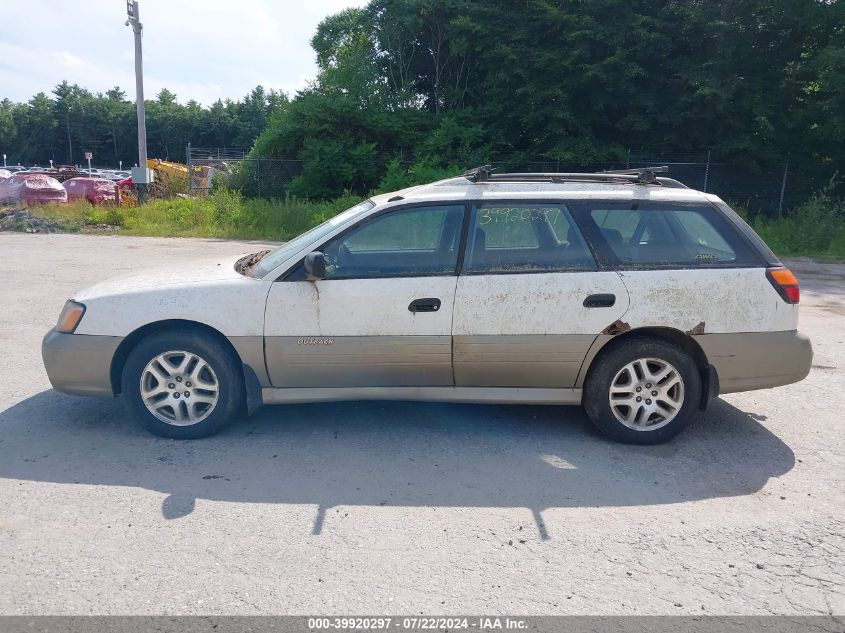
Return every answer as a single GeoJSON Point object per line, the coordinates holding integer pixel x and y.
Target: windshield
{"type": "Point", "coordinates": [275, 258]}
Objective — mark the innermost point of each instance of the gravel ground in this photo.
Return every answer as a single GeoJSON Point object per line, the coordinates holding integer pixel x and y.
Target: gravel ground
{"type": "Point", "coordinates": [407, 507]}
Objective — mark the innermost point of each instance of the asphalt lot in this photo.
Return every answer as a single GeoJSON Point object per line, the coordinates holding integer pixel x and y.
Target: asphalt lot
{"type": "Point", "coordinates": [408, 508]}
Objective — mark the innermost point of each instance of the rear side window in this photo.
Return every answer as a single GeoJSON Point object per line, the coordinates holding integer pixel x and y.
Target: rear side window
{"type": "Point", "coordinates": [662, 235]}
{"type": "Point", "coordinates": [515, 237]}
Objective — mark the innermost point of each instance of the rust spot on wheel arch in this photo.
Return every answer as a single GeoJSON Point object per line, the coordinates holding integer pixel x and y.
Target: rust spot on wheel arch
{"type": "Point", "coordinates": [617, 327]}
{"type": "Point", "coordinates": [698, 329]}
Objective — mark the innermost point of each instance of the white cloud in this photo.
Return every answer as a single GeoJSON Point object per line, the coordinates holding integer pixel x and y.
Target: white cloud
{"type": "Point", "coordinates": [199, 49]}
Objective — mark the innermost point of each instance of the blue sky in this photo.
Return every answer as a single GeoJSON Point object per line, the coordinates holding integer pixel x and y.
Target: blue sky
{"type": "Point", "coordinates": [199, 49]}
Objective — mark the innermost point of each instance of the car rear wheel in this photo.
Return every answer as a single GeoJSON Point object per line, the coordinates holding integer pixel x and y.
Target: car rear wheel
{"type": "Point", "coordinates": [182, 384]}
{"type": "Point", "coordinates": [642, 391]}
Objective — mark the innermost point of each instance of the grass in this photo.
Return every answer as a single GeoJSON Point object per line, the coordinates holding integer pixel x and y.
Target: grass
{"type": "Point", "coordinates": [814, 229]}
{"type": "Point", "coordinates": [223, 214]}
{"type": "Point", "coordinates": [786, 238]}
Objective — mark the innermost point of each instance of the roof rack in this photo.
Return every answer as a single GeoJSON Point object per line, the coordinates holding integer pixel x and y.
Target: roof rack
{"type": "Point", "coordinates": [479, 174]}
{"type": "Point", "coordinates": [639, 175]}
{"type": "Point", "coordinates": [645, 175]}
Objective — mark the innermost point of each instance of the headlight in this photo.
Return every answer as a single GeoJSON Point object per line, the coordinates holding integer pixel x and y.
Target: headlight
{"type": "Point", "coordinates": [70, 317]}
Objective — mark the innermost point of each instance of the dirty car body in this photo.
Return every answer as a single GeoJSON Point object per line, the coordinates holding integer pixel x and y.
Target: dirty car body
{"type": "Point", "coordinates": [29, 188]}
{"type": "Point", "coordinates": [94, 190]}
{"type": "Point", "coordinates": [639, 300]}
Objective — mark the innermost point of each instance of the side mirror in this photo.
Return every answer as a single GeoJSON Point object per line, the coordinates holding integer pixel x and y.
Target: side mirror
{"type": "Point", "coordinates": [315, 266]}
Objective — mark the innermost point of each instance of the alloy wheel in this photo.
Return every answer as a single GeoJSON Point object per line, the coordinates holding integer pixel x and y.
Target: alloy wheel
{"type": "Point", "coordinates": [179, 388]}
{"type": "Point", "coordinates": [646, 394]}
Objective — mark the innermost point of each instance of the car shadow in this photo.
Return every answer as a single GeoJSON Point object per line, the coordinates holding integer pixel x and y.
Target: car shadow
{"type": "Point", "coordinates": [391, 454]}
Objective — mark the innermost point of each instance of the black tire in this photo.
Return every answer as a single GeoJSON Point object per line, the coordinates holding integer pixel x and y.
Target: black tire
{"type": "Point", "coordinates": [220, 358]}
{"type": "Point", "coordinates": [610, 362]}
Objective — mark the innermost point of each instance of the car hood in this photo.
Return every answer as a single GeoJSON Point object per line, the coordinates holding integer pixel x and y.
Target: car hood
{"type": "Point", "coordinates": [200, 272]}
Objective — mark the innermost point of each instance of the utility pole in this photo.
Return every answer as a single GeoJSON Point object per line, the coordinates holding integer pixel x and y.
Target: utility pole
{"type": "Point", "coordinates": [140, 175]}
{"type": "Point", "coordinates": [783, 188]}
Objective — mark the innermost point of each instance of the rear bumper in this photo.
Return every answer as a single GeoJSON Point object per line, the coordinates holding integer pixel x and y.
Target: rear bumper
{"type": "Point", "coordinates": [78, 363]}
{"type": "Point", "coordinates": [757, 360]}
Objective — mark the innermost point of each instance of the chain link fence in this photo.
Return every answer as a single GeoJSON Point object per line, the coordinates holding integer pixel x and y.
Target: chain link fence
{"type": "Point", "coordinates": [771, 190]}
{"type": "Point", "coordinates": [258, 177]}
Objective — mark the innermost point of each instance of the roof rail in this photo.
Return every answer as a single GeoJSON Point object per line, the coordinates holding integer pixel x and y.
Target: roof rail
{"type": "Point", "coordinates": [640, 175]}
{"type": "Point", "coordinates": [479, 174]}
{"type": "Point", "coordinates": [645, 175]}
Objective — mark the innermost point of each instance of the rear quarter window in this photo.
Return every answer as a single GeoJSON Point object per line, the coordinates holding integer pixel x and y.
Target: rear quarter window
{"type": "Point", "coordinates": [749, 233]}
{"type": "Point", "coordinates": [667, 235]}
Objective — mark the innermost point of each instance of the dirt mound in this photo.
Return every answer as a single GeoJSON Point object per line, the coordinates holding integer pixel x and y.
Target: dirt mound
{"type": "Point", "coordinates": [99, 229]}
{"type": "Point", "coordinates": [23, 221]}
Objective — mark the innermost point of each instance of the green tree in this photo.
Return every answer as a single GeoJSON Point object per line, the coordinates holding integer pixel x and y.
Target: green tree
{"type": "Point", "coordinates": [37, 130]}
{"type": "Point", "coordinates": [117, 112]}
{"type": "Point", "coordinates": [70, 107]}
{"type": "Point", "coordinates": [408, 88]}
{"type": "Point", "coordinates": [8, 129]}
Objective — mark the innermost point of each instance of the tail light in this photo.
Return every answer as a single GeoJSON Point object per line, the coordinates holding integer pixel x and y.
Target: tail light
{"type": "Point", "coordinates": [785, 283]}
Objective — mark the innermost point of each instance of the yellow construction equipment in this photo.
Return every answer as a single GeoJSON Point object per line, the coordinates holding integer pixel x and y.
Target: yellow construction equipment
{"type": "Point", "coordinates": [172, 178]}
{"type": "Point", "coordinates": [180, 170]}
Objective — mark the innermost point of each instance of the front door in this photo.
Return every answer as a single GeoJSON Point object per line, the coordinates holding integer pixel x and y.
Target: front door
{"type": "Point", "coordinates": [530, 300]}
{"type": "Point", "coordinates": [382, 317]}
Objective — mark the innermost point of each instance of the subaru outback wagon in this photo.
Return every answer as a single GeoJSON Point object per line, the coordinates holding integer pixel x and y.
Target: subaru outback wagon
{"type": "Point", "coordinates": [626, 292]}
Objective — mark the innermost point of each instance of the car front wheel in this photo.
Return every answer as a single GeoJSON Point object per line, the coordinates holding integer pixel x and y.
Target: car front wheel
{"type": "Point", "coordinates": [182, 385]}
{"type": "Point", "coordinates": [642, 391]}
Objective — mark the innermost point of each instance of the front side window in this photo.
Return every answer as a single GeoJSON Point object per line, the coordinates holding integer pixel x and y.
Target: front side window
{"type": "Point", "coordinates": [665, 236]}
{"type": "Point", "coordinates": [277, 257]}
{"type": "Point", "coordinates": [516, 237]}
{"type": "Point", "coordinates": [403, 243]}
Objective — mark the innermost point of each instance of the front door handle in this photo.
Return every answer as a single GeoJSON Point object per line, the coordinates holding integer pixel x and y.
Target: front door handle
{"type": "Point", "coordinates": [428, 304]}
{"type": "Point", "coordinates": [600, 301]}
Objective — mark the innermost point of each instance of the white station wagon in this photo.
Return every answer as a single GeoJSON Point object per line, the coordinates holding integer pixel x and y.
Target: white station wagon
{"type": "Point", "coordinates": [626, 292]}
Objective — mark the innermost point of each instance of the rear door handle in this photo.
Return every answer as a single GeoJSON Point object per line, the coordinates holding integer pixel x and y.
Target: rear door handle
{"type": "Point", "coordinates": [428, 304]}
{"type": "Point", "coordinates": [600, 301]}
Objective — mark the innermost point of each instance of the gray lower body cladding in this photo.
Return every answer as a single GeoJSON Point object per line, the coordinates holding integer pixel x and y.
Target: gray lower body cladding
{"type": "Point", "coordinates": [79, 364]}
{"type": "Point", "coordinates": [533, 361]}
{"type": "Point", "coordinates": [757, 360]}
{"type": "Point", "coordinates": [477, 395]}
{"type": "Point", "coordinates": [530, 360]}
{"type": "Point", "coordinates": [360, 361]}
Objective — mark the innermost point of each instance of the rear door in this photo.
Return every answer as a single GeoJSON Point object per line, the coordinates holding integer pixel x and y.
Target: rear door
{"type": "Point", "coordinates": [686, 267]}
{"type": "Point", "coordinates": [530, 300]}
{"type": "Point", "coordinates": [382, 317]}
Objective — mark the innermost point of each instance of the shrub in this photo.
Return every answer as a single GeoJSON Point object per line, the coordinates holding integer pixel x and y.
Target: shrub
{"type": "Point", "coordinates": [106, 215]}
{"type": "Point", "coordinates": [398, 177]}
{"type": "Point", "coordinates": [814, 224]}
{"type": "Point", "coordinates": [395, 178]}
{"type": "Point", "coordinates": [227, 206]}
{"type": "Point", "coordinates": [73, 214]}
{"type": "Point", "coordinates": [815, 228]}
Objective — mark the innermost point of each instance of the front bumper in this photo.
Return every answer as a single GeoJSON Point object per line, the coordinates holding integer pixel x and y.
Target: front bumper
{"type": "Point", "coordinates": [78, 363]}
